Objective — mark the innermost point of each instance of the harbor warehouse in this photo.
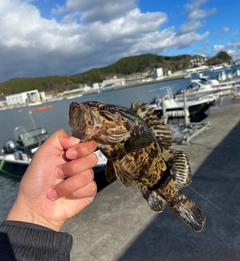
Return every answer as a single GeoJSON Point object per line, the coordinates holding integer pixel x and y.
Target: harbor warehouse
{"type": "Point", "coordinates": [23, 98]}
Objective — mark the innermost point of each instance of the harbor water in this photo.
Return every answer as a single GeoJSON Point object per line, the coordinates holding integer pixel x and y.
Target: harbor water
{"type": "Point", "coordinates": [57, 118]}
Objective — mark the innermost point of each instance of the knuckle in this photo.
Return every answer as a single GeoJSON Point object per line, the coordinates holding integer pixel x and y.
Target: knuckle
{"type": "Point", "coordinates": [67, 187]}
{"type": "Point", "coordinates": [88, 175]}
{"type": "Point", "coordinates": [93, 188]}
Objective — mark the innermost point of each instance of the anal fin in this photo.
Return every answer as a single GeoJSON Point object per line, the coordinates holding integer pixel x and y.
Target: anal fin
{"type": "Point", "coordinates": [154, 200]}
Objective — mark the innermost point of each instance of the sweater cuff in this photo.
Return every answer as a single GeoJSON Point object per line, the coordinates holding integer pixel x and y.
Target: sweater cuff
{"type": "Point", "coordinates": [35, 236]}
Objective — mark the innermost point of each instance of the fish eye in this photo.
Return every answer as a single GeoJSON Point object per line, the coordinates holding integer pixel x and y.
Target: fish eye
{"type": "Point", "coordinates": [103, 107]}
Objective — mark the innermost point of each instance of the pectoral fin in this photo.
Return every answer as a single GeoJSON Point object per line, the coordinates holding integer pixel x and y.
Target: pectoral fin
{"type": "Point", "coordinates": [123, 175]}
{"type": "Point", "coordinates": [110, 171]}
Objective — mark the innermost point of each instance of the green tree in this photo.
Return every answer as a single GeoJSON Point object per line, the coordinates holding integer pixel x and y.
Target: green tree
{"type": "Point", "coordinates": [224, 56]}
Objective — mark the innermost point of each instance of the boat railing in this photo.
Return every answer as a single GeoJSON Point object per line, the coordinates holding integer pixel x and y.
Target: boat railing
{"type": "Point", "coordinates": [29, 141]}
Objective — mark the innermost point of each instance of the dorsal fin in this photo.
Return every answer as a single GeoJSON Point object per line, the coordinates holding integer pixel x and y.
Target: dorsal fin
{"type": "Point", "coordinates": [162, 132]}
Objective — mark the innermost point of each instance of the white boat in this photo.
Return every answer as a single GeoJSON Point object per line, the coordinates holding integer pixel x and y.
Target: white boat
{"type": "Point", "coordinates": [17, 154]}
{"type": "Point", "coordinates": [34, 103]}
{"type": "Point", "coordinates": [224, 87]}
{"type": "Point", "coordinates": [220, 67]}
{"type": "Point", "coordinates": [205, 86]}
{"type": "Point", "coordinates": [171, 106]}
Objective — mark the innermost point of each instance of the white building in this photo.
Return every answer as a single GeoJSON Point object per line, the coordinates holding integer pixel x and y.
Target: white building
{"type": "Point", "coordinates": [23, 98]}
{"type": "Point", "coordinates": [197, 61]}
{"type": "Point", "coordinates": [158, 73]}
{"type": "Point", "coordinates": [113, 82]}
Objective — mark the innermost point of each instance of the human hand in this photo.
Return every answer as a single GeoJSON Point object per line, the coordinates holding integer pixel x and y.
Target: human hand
{"type": "Point", "coordinates": [58, 182]}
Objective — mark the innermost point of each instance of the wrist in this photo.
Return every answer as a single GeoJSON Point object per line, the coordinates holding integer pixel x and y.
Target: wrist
{"type": "Point", "coordinates": [25, 214]}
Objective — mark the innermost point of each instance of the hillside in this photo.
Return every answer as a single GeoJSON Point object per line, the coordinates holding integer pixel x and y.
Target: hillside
{"type": "Point", "coordinates": [125, 67]}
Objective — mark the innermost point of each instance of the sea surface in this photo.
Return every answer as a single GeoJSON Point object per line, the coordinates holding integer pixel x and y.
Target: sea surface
{"type": "Point", "coordinates": [57, 118]}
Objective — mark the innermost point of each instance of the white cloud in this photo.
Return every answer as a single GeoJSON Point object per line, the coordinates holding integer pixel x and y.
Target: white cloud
{"type": "Point", "coordinates": [232, 48]}
{"type": "Point", "coordinates": [96, 10]}
{"type": "Point", "coordinates": [195, 16]}
{"type": "Point", "coordinates": [31, 45]}
{"type": "Point", "coordinates": [225, 29]}
{"type": "Point", "coordinates": [190, 26]}
{"type": "Point", "coordinates": [218, 48]}
{"type": "Point", "coordinates": [196, 13]}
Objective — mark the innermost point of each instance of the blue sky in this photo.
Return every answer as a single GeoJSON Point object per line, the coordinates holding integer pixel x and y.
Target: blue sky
{"type": "Point", "coordinates": [223, 23]}
{"type": "Point", "coordinates": [64, 37]}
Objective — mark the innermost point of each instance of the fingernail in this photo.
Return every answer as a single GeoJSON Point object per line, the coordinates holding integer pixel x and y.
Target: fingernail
{"type": "Point", "coordinates": [74, 140]}
{"type": "Point", "coordinates": [52, 194]}
{"type": "Point", "coordinates": [59, 173]}
{"type": "Point", "coordinates": [71, 154]}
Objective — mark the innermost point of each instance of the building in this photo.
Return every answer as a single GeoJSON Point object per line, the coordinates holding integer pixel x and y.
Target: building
{"type": "Point", "coordinates": [197, 61]}
{"type": "Point", "coordinates": [113, 82]}
{"type": "Point", "coordinates": [22, 98]}
{"type": "Point", "coordinates": [158, 73]}
{"type": "Point", "coordinates": [198, 69]}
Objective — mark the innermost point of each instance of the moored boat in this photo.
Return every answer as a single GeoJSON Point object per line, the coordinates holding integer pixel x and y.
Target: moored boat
{"type": "Point", "coordinates": [171, 106]}
{"type": "Point", "coordinates": [17, 154]}
{"type": "Point", "coordinates": [42, 108]}
{"type": "Point", "coordinates": [205, 86]}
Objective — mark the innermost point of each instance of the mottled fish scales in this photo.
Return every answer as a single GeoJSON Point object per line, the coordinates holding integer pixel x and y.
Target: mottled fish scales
{"type": "Point", "coordinates": [138, 146]}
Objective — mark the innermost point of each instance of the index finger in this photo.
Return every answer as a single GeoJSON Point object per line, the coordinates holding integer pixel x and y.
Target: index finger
{"type": "Point", "coordinates": [59, 140]}
{"type": "Point", "coordinates": [81, 150]}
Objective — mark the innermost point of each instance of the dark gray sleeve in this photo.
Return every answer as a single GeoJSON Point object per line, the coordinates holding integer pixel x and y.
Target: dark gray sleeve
{"type": "Point", "coordinates": [26, 241]}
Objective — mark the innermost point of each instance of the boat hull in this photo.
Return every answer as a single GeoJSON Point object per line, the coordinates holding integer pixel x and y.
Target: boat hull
{"type": "Point", "coordinates": [15, 169]}
{"type": "Point", "coordinates": [199, 109]}
{"type": "Point", "coordinates": [178, 111]}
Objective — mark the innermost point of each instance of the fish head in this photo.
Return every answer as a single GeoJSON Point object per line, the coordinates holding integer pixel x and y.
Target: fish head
{"type": "Point", "coordinates": [104, 123]}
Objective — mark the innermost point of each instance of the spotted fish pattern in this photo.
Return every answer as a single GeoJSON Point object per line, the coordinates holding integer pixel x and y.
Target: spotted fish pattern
{"type": "Point", "coordinates": [138, 147]}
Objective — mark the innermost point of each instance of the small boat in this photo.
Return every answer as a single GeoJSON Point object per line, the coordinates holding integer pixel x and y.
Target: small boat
{"type": "Point", "coordinates": [17, 154]}
{"type": "Point", "coordinates": [205, 85]}
{"type": "Point", "coordinates": [173, 107]}
{"type": "Point", "coordinates": [42, 108]}
{"type": "Point", "coordinates": [34, 103]}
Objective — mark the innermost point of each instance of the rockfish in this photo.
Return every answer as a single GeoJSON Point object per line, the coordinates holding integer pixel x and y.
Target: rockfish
{"type": "Point", "coordinates": [137, 145]}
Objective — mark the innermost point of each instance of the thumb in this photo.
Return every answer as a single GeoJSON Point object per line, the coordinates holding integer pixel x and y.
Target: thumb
{"type": "Point", "coordinates": [59, 140]}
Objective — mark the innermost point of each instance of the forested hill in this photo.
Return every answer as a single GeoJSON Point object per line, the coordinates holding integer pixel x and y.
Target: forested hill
{"type": "Point", "coordinates": [125, 67]}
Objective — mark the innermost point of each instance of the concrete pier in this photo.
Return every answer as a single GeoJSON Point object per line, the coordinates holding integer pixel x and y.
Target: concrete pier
{"type": "Point", "coordinates": [119, 225]}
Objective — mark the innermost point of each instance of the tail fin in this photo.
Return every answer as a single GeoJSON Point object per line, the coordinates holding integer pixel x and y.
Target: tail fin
{"type": "Point", "coordinates": [190, 213]}
{"type": "Point", "coordinates": [186, 209]}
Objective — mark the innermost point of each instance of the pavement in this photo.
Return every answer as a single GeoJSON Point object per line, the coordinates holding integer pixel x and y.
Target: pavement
{"type": "Point", "coordinates": [119, 226]}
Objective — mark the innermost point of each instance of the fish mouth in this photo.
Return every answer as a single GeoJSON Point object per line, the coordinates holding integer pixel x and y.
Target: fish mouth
{"type": "Point", "coordinates": [76, 120]}
{"type": "Point", "coordinates": [83, 122]}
